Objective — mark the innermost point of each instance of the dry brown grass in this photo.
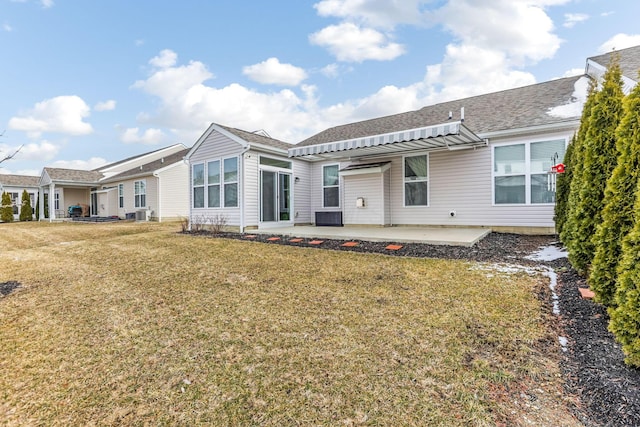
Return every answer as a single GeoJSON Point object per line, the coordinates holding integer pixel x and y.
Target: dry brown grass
{"type": "Point", "coordinates": [135, 324]}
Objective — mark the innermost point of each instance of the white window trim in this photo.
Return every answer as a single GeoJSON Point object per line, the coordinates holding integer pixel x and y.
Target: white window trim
{"type": "Point", "coordinates": [331, 186]}
{"type": "Point", "coordinates": [527, 169]}
{"type": "Point", "coordinates": [204, 185]}
{"type": "Point", "coordinates": [207, 185]}
{"type": "Point", "coordinates": [224, 183]}
{"type": "Point", "coordinates": [140, 194]}
{"type": "Point", "coordinates": [56, 200]}
{"type": "Point", "coordinates": [428, 180]}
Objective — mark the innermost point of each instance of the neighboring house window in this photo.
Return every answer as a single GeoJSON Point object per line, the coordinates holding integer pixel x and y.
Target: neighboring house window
{"type": "Point", "coordinates": [213, 184]}
{"type": "Point", "coordinates": [198, 185]}
{"type": "Point", "coordinates": [140, 194]}
{"type": "Point", "coordinates": [14, 202]}
{"type": "Point", "coordinates": [121, 196]}
{"type": "Point", "coordinates": [330, 186]}
{"type": "Point", "coordinates": [230, 166]}
{"type": "Point", "coordinates": [520, 172]}
{"type": "Point", "coordinates": [416, 180]}
{"type": "Point", "coordinates": [56, 201]}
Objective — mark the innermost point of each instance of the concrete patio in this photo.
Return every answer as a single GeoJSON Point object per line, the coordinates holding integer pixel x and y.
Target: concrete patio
{"type": "Point", "coordinates": [433, 236]}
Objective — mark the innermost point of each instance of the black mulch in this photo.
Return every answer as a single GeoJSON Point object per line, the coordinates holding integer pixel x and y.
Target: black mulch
{"type": "Point", "coordinates": [7, 287]}
{"type": "Point", "coordinates": [607, 390]}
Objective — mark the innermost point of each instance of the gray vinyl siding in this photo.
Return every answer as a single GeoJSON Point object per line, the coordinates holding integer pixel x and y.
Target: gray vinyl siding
{"type": "Point", "coordinates": [302, 192]}
{"type": "Point", "coordinates": [251, 185]}
{"type": "Point", "coordinates": [174, 192]}
{"type": "Point", "coordinates": [367, 186]}
{"type": "Point", "coordinates": [216, 147]}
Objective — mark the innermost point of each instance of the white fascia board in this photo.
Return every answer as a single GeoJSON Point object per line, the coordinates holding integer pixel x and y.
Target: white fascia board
{"type": "Point", "coordinates": [205, 135]}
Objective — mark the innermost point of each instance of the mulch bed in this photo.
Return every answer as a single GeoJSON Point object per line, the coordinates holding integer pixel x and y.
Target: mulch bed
{"type": "Point", "coordinates": [608, 391]}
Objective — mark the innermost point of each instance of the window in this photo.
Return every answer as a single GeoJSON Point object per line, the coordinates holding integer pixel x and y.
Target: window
{"type": "Point", "coordinates": [56, 200]}
{"type": "Point", "coordinates": [14, 202]}
{"type": "Point", "coordinates": [213, 184]}
{"type": "Point", "coordinates": [520, 172]}
{"type": "Point", "coordinates": [283, 164]}
{"type": "Point", "coordinates": [416, 181]}
{"type": "Point", "coordinates": [330, 186]}
{"type": "Point", "coordinates": [121, 196]}
{"type": "Point", "coordinates": [198, 185]}
{"type": "Point", "coordinates": [140, 194]}
{"type": "Point", "coordinates": [231, 182]}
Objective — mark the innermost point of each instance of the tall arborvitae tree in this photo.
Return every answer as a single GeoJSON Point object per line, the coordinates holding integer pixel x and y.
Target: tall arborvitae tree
{"type": "Point", "coordinates": [572, 215]}
{"type": "Point", "coordinates": [6, 210]}
{"type": "Point", "coordinates": [600, 154]}
{"type": "Point", "coordinates": [625, 316]}
{"type": "Point", "coordinates": [563, 185]}
{"type": "Point", "coordinates": [26, 211]}
{"type": "Point", "coordinates": [619, 199]}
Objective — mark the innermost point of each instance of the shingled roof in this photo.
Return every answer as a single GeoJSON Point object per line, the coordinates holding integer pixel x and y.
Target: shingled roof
{"type": "Point", "coordinates": [150, 167]}
{"type": "Point", "coordinates": [517, 108]}
{"type": "Point", "coordinates": [19, 180]}
{"type": "Point", "coordinates": [253, 137]}
{"type": "Point", "coordinates": [73, 175]}
{"type": "Point", "coordinates": [629, 61]}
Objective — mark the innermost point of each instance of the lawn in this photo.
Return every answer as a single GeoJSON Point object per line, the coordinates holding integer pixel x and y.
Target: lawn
{"type": "Point", "coordinates": [137, 324]}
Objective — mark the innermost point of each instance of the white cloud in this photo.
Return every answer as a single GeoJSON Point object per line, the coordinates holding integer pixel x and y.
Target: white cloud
{"type": "Point", "coordinates": [29, 172]}
{"type": "Point", "coordinates": [6, 27]}
{"type": "Point", "coordinates": [47, 3]}
{"type": "Point", "coordinates": [92, 163]}
{"type": "Point", "coordinates": [573, 72]}
{"type": "Point", "coordinates": [272, 71]}
{"type": "Point", "coordinates": [166, 59]}
{"type": "Point", "coordinates": [43, 151]}
{"type": "Point", "coordinates": [571, 19]}
{"type": "Point", "coordinates": [351, 43]}
{"type": "Point", "coordinates": [331, 71]}
{"type": "Point", "coordinates": [139, 42]}
{"type": "Point", "coordinates": [62, 114]}
{"type": "Point", "coordinates": [620, 41]}
{"type": "Point", "coordinates": [105, 105]}
{"type": "Point", "coordinates": [148, 137]}
{"type": "Point", "coordinates": [375, 13]}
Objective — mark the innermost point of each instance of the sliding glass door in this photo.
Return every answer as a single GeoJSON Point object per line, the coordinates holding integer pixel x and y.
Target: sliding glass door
{"type": "Point", "coordinates": [275, 196]}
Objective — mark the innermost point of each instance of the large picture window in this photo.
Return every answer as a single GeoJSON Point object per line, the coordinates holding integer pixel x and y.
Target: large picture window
{"type": "Point", "coordinates": [520, 172]}
{"type": "Point", "coordinates": [416, 181]}
{"type": "Point", "coordinates": [197, 178]}
{"type": "Point", "coordinates": [231, 182]}
{"type": "Point", "coordinates": [330, 186]}
{"type": "Point", "coordinates": [140, 194]}
{"type": "Point", "coordinates": [213, 184]}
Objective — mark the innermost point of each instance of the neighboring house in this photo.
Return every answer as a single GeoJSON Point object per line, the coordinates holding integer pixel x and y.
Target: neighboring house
{"type": "Point", "coordinates": [482, 161]}
{"type": "Point", "coordinates": [148, 186]}
{"type": "Point", "coordinates": [15, 185]}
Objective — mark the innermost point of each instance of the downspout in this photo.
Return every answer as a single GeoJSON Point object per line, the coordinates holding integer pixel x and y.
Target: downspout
{"type": "Point", "coordinates": [159, 200]}
{"type": "Point", "coordinates": [242, 184]}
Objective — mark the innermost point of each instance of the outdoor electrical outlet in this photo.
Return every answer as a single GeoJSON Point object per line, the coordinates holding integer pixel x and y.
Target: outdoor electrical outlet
{"type": "Point", "coordinates": [452, 213]}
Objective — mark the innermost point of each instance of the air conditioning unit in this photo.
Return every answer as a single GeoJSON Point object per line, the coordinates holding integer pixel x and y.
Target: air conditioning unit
{"type": "Point", "coordinates": [143, 215]}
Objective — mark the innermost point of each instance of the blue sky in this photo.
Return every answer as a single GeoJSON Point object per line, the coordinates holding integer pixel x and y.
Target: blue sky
{"type": "Point", "coordinates": [89, 82]}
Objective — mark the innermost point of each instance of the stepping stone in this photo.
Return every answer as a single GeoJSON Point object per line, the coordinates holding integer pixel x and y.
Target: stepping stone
{"type": "Point", "coordinates": [586, 293]}
{"type": "Point", "coordinates": [296, 240]}
{"type": "Point", "coordinates": [316, 242]}
{"type": "Point", "coordinates": [273, 239]}
{"type": "Point", "coordinates": [350, 244]}
{"type": "Point", "coordinates": [394, 247]}
{"type": "Point", "coordinates": [250, 236]}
